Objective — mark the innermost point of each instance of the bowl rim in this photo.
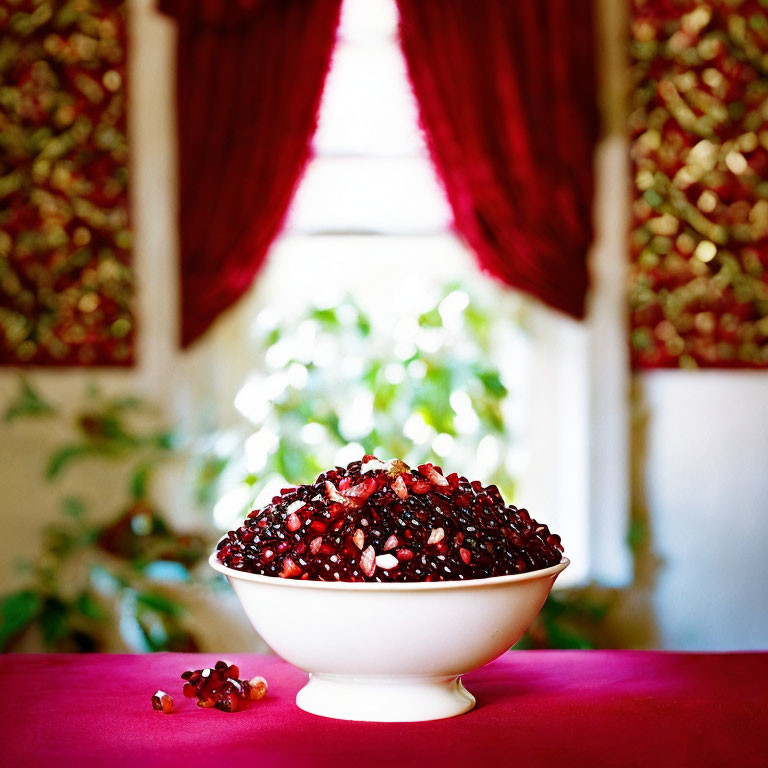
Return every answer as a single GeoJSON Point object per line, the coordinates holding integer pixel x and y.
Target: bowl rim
{"type": "Point", "coordinates": [375, 586]}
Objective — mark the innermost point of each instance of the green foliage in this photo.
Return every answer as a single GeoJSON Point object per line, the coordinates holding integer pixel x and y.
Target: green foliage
{"type": "Point", "coordinates": [103, 431]}
{"type": "Point", "coordinates": [208, 471]}
{"type": "Point", "coordinates": [156, 622]}
{"type": "Point", "coordinates": [27, 403]}
{"type": "Point", "coordinates": [61, 458]}
{"type": "Point", "coordinates": [637, 536]}
{"type": "Point", "coordinates": [337, 385]}
{"type": "Point", "coordinates": [87, 573]}
{"type": "Point", "coordinates": [567, 620]}
{"type": "Point", "coordinates": [18, 610]}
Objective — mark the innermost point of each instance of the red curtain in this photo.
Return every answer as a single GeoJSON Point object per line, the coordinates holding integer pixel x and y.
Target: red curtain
{"type": "Point", "coordinates": [249, 80]}
{"type": "Point", "coordinates": [506, 90]}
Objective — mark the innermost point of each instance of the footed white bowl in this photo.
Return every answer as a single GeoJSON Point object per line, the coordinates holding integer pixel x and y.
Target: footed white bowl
{"type": "Point", "coordinates": [390, 652]}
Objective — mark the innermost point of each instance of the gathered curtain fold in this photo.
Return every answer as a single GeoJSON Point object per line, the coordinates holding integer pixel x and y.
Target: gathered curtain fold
{"type": "Point", "coordinates": [506, 93]}
{"type": "Point", "coordinates": [250, 75]}
{"type": "Point", "coordinates": [507, 99]}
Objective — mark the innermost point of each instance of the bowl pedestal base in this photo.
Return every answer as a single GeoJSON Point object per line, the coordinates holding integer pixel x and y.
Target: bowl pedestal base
{"type": "Point", "coordinates": [384, 700]}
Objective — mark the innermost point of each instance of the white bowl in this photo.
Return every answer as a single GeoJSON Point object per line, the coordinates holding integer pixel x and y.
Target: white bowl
{"type": "Point", "coordinates": [389, 652]}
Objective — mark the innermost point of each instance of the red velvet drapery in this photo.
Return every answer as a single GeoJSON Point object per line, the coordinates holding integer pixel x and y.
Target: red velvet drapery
{"type": "Point", "coordinates": [249, 80]}
{"type": "Point", "coordinates": [507, 97]}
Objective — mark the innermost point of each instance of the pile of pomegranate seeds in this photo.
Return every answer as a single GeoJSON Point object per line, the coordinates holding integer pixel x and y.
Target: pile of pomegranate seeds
{"type": "Point", "coordinates": [381, 521]}
{"type": "Point", "coordinates": [220, 686]}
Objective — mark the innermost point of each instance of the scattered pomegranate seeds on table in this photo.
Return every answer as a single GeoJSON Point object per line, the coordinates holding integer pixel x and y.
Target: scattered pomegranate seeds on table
{"type": "Point", "coordinates": [382, 521]}
{"type": "Point", "coordinates": [219, 686]}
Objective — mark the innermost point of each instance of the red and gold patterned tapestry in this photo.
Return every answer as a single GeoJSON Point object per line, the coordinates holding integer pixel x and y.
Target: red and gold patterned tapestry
{"type": "Point", "coordinates": [699, 131]}
{"type": "Point", "coordinates": [65, 263]}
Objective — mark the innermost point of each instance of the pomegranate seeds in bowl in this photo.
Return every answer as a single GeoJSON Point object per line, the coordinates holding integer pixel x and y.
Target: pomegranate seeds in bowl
{"type": "Point", "coordinates": [384, 522]}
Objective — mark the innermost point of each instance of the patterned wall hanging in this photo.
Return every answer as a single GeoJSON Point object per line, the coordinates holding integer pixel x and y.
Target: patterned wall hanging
{"type": "Point", "coordinates": [699, 131]}
{"type": "Point", "coordinates": [65, 263]}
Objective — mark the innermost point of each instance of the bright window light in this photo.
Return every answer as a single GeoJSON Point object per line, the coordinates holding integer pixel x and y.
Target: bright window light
{"type": "Point", "coordinates": [396, 196]}
{"type": "Point", "coordinates": [368, 107]}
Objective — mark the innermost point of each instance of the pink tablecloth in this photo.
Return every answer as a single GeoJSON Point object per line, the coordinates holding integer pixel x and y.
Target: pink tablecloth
{"type": "Point", "coordinates": [570, 708]}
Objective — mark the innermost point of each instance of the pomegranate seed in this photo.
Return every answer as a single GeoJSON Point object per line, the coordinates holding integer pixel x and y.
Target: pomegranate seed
{"type": "Point", "coordinates": [400, 488]}
{"type": "Point", "coordinates": [404, 554]}
{"type": "Point", "coordinates": [162, 702]}
{"type": "Point", "coordinates": [391, 543]}
{"type": "Point", "coordinates": [360, 492]}
{"type": "Point", "coordinates": [358, 538]}
{"type": "Point", "coordinates": [436, 535]}
{"type": "Point", "coordinates": [231, 670]}
{"type": "Point", "coordinates": [421, 486]}
{"type": "Point", "coordinates": [334, 510]}
{"type": "Point", "coordinates": [368, 561]}
{"type": "Point", "coordinates": [370, 464]}
{"type": "Point", "coordinates": [335, 496]}
{"type": "Point", "coordinates": [429, 471]}
{"type": "Point", "coordinates": [315, 544]}
{"type": "Point", "coordinates": [293, 522]}
{"type": "Point", "coordinates": [554, 541]}
{"type": "Point", "coordinates": [386, 561]}
{"type": "Point", "coordinates": [290, 569]}
{"type": "Point", "coordinates": [227, 702]}
{"type": "Point", "coordinates": [257, 688]}
{"type": "Point", "coordinates": [465, 555]}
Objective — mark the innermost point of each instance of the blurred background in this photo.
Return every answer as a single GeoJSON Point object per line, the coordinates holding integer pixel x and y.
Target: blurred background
{"type": "Point", "coordinates": [527, 241]}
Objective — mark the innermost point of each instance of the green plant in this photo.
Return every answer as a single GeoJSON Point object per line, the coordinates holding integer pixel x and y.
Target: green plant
{"type": "Point", "coordinates": [89, 575]}
{"type": "Point", "coordinates": [334, 386]}
{"type": "Point", "coordinates": [567, 620]}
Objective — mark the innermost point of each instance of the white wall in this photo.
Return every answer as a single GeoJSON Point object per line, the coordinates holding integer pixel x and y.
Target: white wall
{"type": "Point", "coordinates": [707, 494]}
